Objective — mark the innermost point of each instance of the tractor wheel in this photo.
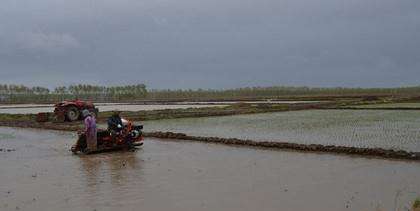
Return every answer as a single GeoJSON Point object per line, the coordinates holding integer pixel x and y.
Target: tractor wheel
{"type": "Point", "coordinates": [72, 113]}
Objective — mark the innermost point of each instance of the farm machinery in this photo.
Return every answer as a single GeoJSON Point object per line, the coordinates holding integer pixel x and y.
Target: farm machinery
{"type": "Point", "coordinates": [128, 136]}
{"type": "Point", "coordinates": [72, 110]}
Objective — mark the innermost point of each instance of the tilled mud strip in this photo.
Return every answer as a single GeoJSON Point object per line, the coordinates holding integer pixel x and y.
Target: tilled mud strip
{"type": "Point", "coordinates": [370, 152]}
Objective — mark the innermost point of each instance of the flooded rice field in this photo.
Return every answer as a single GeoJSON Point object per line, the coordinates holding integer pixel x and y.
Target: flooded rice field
{"type": "Point", "coordinates": [34, 108]}
{"type": "Point", "coordinates": [254, 102]}
{"type": "Point", "coordinates": [39, 173]}
{"type": "Point", "coordinates": [37, 108]}
{"type": "Point", "coordinates": [391, 105]}
{"type": "Point", "coordinates": [134, 107]}
{"type": "Point", "coordinates": [357, 128]}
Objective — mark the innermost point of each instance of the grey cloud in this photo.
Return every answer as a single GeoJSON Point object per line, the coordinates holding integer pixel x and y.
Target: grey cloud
{"type": "Point", "coordinates": [211, 44]}
{"type": "Point", "coordinates": [50, 42]}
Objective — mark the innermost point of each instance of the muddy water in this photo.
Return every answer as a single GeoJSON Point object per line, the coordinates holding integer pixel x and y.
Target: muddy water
{"type": "Point", "coordinates": [169, 175]}
{"type": "Point", "coordinates": [355, 128]}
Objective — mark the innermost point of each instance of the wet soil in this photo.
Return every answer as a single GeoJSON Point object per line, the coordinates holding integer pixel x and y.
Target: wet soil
{"type": "Point", "coordinates": [41, 174]}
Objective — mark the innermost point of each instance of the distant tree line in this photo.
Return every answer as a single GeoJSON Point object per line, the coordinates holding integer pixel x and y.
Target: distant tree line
{"type": "Point", "coordinates": [277, 92]}
{"type": "Point", "coordinates": [24, 94]}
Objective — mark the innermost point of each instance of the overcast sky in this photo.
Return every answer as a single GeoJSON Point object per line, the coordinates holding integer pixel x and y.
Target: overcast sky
{"type": "Point", "coordinates": [210, 43]}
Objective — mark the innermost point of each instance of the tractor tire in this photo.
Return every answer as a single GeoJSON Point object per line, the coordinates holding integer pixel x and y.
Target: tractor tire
{"type": "Point", "coordinates": [72, 113]}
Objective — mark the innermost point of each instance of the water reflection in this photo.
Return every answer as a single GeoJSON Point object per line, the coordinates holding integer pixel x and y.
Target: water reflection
{"type": "Point", "coordinates": [114, 168]}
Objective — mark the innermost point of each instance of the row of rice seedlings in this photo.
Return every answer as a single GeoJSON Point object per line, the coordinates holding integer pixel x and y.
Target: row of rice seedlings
{"type": "Point", "coordinates": [390, 129]}
{"type": "Point", "coordinates": [390, 105]}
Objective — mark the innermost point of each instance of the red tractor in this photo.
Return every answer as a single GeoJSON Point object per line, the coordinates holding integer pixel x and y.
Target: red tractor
{"type": "Point", "coordinates": [72, 110]}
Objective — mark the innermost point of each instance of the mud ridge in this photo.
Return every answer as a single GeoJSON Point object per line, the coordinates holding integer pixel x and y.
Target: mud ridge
{"type": "Point", "coordinates": [371, 152]}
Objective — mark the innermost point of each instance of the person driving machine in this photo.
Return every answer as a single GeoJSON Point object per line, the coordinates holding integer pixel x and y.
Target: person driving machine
{"type": "Point", "coordinates": [115, 123]}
